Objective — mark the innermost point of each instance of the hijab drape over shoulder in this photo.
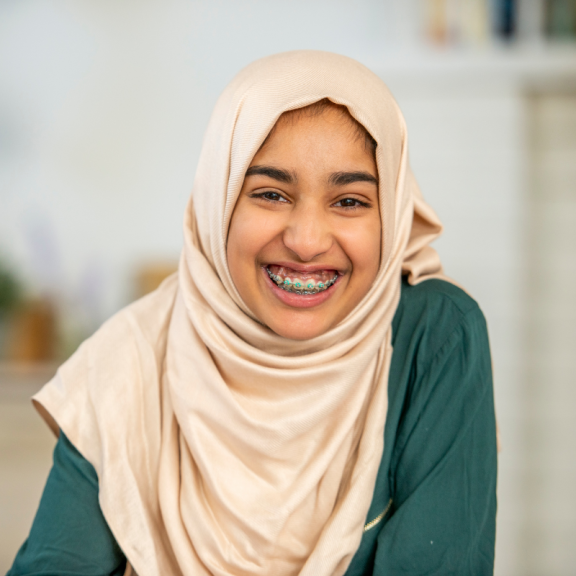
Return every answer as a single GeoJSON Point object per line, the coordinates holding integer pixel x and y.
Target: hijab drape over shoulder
{"type": "Point", "coordinates": [221, 447]}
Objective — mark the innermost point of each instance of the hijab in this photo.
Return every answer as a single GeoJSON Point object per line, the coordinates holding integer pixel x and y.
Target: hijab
{"type": "Point", "coordinates": [221, 447]}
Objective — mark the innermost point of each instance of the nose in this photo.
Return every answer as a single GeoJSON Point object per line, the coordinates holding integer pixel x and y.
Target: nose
{"type": "Point", "coordinates": [308, 233]}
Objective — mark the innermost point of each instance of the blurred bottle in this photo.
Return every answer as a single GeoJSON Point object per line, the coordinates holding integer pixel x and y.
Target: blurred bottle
{"type": "Point", "coordinates": [436, 22]}
{"type": "Point", "coordinates": [505, 19]}
{"type": "Point", "coordinates": [477, 22]}
{"type": "Point", "coordinates": [475, 16]}
{"type": "Point", "coordinates": [560, 16]}
{"type": "Point", "coordinates": [456, 22]}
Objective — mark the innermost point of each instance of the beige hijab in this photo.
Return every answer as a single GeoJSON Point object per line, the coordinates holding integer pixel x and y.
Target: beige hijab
{"type": "Point", "coordinates": [220, 447]}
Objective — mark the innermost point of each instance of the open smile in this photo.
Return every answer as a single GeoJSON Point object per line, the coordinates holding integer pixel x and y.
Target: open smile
{"type": "Point", "coordinates": [305, 288]}
{"type": "Point", "coordinates": [303, 283]}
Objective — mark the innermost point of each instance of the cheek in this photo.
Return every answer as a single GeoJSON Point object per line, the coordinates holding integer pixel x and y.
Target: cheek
{"type": "Point", "coordinates": [240, 249]}
{"type": "Point", "coordinates": [250, 231]}
{"type": "Point", "coordinates": [362, 244]}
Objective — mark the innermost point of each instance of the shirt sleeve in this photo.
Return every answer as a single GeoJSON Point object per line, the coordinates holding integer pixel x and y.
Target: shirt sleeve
{"type": "Point", "coordinates": [69, 535]}
{"type": "Point", "coordinates": [443, 468]}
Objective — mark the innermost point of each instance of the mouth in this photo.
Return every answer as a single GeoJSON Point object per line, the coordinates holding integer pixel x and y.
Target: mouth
{"type": "Point", "coordinates": [301, 283]}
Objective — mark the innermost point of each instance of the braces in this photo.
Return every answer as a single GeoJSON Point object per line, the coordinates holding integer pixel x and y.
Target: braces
{"type": "Point", "coordinates": [298, 287]}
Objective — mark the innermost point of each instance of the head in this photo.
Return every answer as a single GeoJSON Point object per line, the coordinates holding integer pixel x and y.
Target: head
{"type": "Point", "coordinates": [305, 236]}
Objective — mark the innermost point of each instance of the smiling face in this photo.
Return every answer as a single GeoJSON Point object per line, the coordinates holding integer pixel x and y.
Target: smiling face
{"type": "Point", "coordinates": [304, 239]}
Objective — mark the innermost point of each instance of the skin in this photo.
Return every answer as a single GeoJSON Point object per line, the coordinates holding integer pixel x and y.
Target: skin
{"type": "Point", "coordinates": [309, 201]}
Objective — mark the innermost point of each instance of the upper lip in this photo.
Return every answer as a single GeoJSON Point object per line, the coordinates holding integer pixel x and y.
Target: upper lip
{"type": "Point", "coordinates": [304, 268]}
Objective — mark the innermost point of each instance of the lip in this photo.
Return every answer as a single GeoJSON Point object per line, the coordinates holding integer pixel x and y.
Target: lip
{"type": "Point", "coordinates": [300, 300]}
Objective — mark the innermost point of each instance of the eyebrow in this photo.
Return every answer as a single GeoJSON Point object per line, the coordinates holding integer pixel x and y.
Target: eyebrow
{"type": "Point", "coordinates": [343, 178]}
{"type": "Point", "coordinates": [336, 178]}
{"type": "Point", "coordinates": [275, 173]}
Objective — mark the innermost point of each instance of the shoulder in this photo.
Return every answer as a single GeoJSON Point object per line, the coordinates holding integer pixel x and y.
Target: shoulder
{"type": "Point", "coordinates": [122, 359]}
{"type": "Point", "coordinates": [439, 463]}
{"type": "Point", "coordinates": [434, 290]}
{"type": "Point", "coordinates": [431, 315]}
{"type": "Point", "coordinates": [440, 410]}
{"type": "Point", "coordinates": [440, 383]}
{"type": "Point", "coordinates": [434, 300]}
{"type": "Point", "coordinates": [440, 349]}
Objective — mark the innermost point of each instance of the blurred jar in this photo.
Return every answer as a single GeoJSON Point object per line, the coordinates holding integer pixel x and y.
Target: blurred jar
{"type": "Point", "coordinates": [31, 334]}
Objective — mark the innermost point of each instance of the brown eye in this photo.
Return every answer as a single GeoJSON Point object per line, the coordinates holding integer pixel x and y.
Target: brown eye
{"type": "Point", "coordinates": [270, 196]}
{"type": "Point", "coordinates": [351, 203]}
{"type": "Point", "coordinates": [274, 196]}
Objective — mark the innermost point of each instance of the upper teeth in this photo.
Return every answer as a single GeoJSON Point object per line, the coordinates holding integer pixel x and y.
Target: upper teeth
{"type": "Point", "coordinates": [299, 286]}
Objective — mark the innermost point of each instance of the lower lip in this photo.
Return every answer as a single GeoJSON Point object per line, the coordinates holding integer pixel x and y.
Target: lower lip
{"type": "Point", "coordinates": [300, 300]}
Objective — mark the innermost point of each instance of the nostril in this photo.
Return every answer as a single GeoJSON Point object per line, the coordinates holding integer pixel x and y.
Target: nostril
{"type": "Point", "coordinates": [307, 243]}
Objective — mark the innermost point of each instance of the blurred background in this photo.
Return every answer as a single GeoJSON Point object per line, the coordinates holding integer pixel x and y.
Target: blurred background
{"type": "Point", "coordinates": [103, 106]}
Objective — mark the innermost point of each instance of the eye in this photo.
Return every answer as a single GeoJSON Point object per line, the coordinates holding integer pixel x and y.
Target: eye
{"type": "Point", "coordinates": [351, 203]}
{"type": "Point", "coordinates": [270, 196]}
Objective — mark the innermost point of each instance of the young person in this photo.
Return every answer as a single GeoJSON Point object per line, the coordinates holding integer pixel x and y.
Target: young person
{"type": "Point", "coordinates": [309, 394]}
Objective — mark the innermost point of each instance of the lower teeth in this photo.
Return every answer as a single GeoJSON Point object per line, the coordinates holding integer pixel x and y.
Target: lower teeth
{"type": "Point", "coordinates": [297, 288]}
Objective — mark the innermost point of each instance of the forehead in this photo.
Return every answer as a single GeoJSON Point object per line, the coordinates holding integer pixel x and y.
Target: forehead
{"type": "Point", "coordinates": [313, 130]}
{"type": "Point", "coordinates": [330, 112]}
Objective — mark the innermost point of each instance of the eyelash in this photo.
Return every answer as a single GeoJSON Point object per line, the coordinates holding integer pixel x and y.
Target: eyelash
{"type": "Point", "coordinates": [263, 196]}
{"type": "Point", "coordinates": [359, 204]}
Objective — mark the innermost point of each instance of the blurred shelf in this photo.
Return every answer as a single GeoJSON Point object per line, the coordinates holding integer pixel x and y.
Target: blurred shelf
{"type": "Point", "coordinates": [534, 67]}
{"type": "Point", "coordinates": [19, 381]}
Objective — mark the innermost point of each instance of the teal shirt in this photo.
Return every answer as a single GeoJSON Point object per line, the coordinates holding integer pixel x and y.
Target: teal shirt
{"type": "Point", "coordinates": [434, 505]}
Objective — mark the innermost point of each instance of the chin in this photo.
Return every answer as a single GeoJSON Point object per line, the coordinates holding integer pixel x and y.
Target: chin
{"type": "Point", "coordinates": [298, 330]}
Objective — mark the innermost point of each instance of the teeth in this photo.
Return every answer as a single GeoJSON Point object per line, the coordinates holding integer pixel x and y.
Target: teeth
{"type": "Point", "coordinates": [298, 286]}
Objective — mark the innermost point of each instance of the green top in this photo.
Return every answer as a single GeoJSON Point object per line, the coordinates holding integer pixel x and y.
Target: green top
{"type": "Point", "coordinates": [434, 504]}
